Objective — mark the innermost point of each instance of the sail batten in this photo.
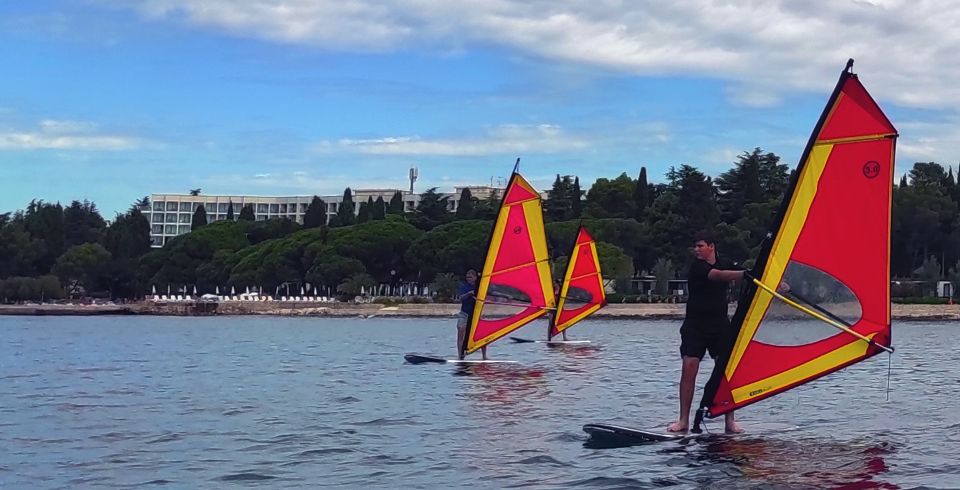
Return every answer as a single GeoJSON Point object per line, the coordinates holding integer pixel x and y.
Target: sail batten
{"type": "Point", "coordinates": [515, 284]}
{"type": "Point", "coordinates": [581, 293]}
{"type": "Point", "coordinates": [831, 245]}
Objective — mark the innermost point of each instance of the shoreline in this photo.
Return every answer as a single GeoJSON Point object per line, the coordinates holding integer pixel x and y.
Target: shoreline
{"type": "Point", "coordinates": [643, 311]}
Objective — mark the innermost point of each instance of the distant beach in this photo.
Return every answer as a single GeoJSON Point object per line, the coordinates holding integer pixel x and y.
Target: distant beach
{"type": "Point", "coordinates": [658, 311]}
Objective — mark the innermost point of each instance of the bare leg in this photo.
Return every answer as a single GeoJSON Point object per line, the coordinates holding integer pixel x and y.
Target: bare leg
{"type": "Point", "coordinates": [688, 382]}
{"type": "Point", "coordinates": [731, 426]}
{"type": "Point", "coordinates": [460, 333]}
{"type": "Point", "coordinates": [564, 334]}
{"type": "Point", "coordinates": [483, 350]}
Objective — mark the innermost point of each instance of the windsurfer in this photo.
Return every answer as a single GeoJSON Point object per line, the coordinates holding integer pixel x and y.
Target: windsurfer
{"type": "Point", "coordinates": [552, 314]}
{"type": "Point", "coordinates": [706, 327]}
{"type": "Point", "coordinates": [467, 293]}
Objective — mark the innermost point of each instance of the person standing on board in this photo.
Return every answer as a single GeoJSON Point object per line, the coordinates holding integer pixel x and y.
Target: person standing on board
{"type": "Point", "coordinates": [467, 293]}
{"type": "Point", "coordinates": [552, 314]}
{"type": "Point", "coordinates": [706, 326]}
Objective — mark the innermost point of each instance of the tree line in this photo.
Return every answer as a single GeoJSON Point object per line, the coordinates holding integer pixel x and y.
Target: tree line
{"type": "Point", "coordinates": [48, 251]}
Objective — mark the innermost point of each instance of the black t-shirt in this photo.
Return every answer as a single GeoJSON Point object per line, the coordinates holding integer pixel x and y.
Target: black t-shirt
{"type": "Point", "coordinates": [708, 299]}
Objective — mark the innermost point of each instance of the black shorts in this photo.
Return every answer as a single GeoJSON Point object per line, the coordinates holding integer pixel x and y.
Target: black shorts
{"type": "Point", "coordinates": [699, 337]}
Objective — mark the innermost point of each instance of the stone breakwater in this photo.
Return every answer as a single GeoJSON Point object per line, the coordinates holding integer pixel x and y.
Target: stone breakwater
{"type": "Point", "coordinates": [366, 310]}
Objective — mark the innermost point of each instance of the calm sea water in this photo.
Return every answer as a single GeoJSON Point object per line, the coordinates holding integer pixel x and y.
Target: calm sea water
{"type": "Point", "coordinates": [125, 402]}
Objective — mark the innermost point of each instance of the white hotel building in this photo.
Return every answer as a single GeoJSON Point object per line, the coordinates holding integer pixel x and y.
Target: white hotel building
{"type": "Point", "coordinates": [170, 214]}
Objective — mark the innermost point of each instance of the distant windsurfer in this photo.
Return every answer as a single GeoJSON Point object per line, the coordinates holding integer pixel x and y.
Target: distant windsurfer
{"type": "Point", "coordinates": [552, 314]}
{"type": "Point", "coordinates": [467, 293]}
{"type": "Point", "coordinates": [706, 327]}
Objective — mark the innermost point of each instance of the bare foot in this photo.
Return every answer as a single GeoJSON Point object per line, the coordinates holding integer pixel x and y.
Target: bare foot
{"type": "Point", "coordinates": [678, 427]}
{"type": "Point", "coordinates": [733, 428]}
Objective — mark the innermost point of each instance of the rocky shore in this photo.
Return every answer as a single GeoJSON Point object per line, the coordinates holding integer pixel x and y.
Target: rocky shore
{"type": "Point", "coordinates": [367, 310]}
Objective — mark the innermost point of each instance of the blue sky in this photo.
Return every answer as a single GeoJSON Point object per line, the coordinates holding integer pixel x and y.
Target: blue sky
{"type": "Point", "coordinates": [112, 101]}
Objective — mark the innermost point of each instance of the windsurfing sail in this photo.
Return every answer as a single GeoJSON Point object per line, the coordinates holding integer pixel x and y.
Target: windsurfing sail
{"type": "Point", "coordinates": [515, 285]}
{"type": "Point", "coordinates": [819, 296]}
{"type": "Point", "coordinates": [582, 291]}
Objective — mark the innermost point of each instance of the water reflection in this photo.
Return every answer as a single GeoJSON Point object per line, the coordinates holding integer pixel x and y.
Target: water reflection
{"type": "Point", "coordinates": [818, 462]}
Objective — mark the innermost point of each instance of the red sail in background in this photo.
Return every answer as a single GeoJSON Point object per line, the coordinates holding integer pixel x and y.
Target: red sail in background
{"type": "Point", "coordinates": [515, 285]}
{"type": "Point", "coordinates": [582, 291]}
{"type": "Point", "coordinates": [831, 248]}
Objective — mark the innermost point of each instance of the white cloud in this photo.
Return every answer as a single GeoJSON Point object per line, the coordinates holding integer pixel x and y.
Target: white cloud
{"type": "Point", "coordinates": [908, 50]}
{"type": "Point", "coordinates": [65, 135]}
{"type": "Point", "coordinates": [507, 139]}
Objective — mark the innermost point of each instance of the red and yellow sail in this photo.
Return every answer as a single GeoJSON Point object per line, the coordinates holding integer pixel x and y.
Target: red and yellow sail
{"type": "Point", "coordinates": [515, 284]}
{"type": "Point", "coordinates": [828, 258]}
{"type": "Point", "coordinates": [582, 291]}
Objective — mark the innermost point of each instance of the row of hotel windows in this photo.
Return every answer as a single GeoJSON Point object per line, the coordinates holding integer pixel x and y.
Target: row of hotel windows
{"type": "Point", "coordinates": [222, 207]}
{"type": "Point", "coordinates": [188, 218]}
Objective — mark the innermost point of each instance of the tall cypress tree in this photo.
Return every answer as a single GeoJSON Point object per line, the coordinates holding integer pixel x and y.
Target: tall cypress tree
{"type": "Point", "coordinates": [316, 213]}
{"type": "Point", "coordinates": [247, 214]}
{"type": "Point", "coordinates": [346, 214]}
{"type": "Point", "coordinates": [230, 211]}
{"type": "Point", "coordinates": [465, 204]}
{"type": "Point", "coordinates": [363, 214]}
{"type": "Point", "coordinates": [576, 204]}
{"type": "Point", "coordinates": [396, 203]}
{"type": "Point", "coordinates": [903, 181]}
{"type": "Point", "coordinates": [379, 209]}
{"type": "Point", "coordinates": [199, 218]}
{"type": "Point", "coordinates": [641, 194]}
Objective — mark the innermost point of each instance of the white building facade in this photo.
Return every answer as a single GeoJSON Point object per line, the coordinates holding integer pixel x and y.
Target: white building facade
{"type": "Point", "coordinates": [170, 215]}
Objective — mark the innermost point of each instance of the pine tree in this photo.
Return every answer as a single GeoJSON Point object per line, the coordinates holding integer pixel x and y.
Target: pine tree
{"type": "Point", "coordinates": [465, 205]}
{"type": "Point", "coordinates": [199, 218]}
{"type": "Point", "coordinates": [576, 205]}
{"type": "Point", "coordinates": [363, 214]}
{"type": "Point", "coordinates": [316, 213]}
{"type": "Point", "coordinates": [396, 203]}
{"type": "Point", "coordinates": [903, 181]}
{"type": "Point", "coordinates": [641, 194]}
{"type": "Point", "coordinates": [379, 209]}
{"type": "Point", "coordinates": [247, 214]}
{"type": "Point", "coordinates": [346, 213]}
{"type": "Point", "coordinates": [230, 211]}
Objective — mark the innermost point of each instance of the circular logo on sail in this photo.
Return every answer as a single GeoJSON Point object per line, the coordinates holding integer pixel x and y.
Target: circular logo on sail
{"type": "Point", "coordinates": [871, 169]}
{"type": "Point", "coordinates": [517, 230]}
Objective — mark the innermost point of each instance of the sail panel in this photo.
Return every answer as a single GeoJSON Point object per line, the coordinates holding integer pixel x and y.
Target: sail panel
{"type": "Point", "coordinates": [515, 284]}
{"type": "Point", "coordinates": [582, 291]}
{"type": "Point", "coordinates": [830, 253]}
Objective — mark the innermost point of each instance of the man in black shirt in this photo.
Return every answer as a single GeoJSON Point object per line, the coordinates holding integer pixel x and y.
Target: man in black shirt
{"type": "Point", "coordinates": [706, 326]}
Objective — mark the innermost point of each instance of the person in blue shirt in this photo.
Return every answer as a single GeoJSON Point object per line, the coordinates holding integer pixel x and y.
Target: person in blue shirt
{"type": "Point", "coordinates": [467, 293]}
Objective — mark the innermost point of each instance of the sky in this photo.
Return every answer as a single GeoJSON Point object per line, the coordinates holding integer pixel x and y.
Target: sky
{"type": "Point", "coordinates": [111, 101]}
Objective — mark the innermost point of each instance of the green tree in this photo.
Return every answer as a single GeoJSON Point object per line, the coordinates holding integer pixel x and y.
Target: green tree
{"type": "Point", "coordinates": [432, 210]}
{"type": "Point", "coordinates": [757, 177]}
{"type": "Point", "coordinates": [486, 209]}
{"type": "Point", "coordinates": [44, 222]}
{"type": "Point", "coordinates": [465, 205]}
{"type": "Point", "coordinates": [19, 252]}
{"type": "Point", "coordinates": [929, 273]}
{"type": "Point", "coordinates": [230, 211]}
{"type": "Point", "coordinates": [611, 198]}
{"type": "Point", "coordinates": [357, 284]}
{"type": "Point", "coordinates": [454, 247]}
{"type": "Point", "coordinates": [363, 214]}
{"type": "Point", "coordinates": [346, 213]}
{"type": "Point", "coordinates": [642, 195]}
{"type": "Point", "coordinates": [379, 210]}
{"type": "Point", "coordinates": [378, 245]}
{"type": "Point", "coordinates": [954, 278]}
{"type": "Point", "coordinates": [82, 223]}
{"type": "Point", "coordinates": [199, 218]}
{"type": "Point", "coordinates": [83, 266]}
{"type": "Point", "coordinates": [576, 206]}
{"type": "Point", "coordinates": [316, 214]}
{"type": "Point", "coordinates": [396, 204]}
{"type": "Point", "coordinates": [559, 203]}
{"type": "Point", "coordinates": [663, 272]}
{"type": "Point", "coordinates": [247, 214]}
